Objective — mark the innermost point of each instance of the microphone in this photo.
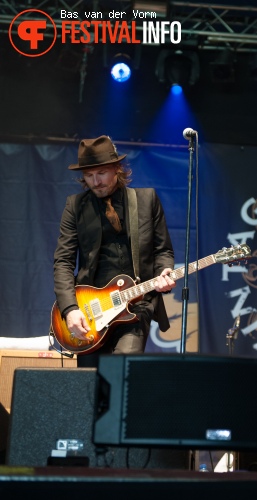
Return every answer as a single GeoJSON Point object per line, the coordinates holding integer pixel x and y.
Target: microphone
{"type": "Point", "coordinates": [233, 332]}
{"type": "Point", "coordinates": [237, 322]}
{"type": "Point", "coordinates": [188, 133]}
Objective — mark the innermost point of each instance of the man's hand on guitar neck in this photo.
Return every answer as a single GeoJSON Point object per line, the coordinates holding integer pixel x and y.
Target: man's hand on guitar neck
{"type": "Point", "coordinates": [164, 283]}
{"type": "Point", "coordinates": [77, 324]}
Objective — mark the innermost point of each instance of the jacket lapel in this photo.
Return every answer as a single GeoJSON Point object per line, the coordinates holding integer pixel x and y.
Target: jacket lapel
{"type": "Point", "coordinates": [133, 229]}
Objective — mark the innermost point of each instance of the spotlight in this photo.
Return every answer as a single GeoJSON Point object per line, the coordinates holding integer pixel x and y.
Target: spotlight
{"type": "Point", "coordinates": [121, 68]}
{"type": "Point", "coordinates": [176, 89]}
{"type": "Point", "coordinates": [222, 68]}
{"type": "Point", "coordinates": [178, 68]}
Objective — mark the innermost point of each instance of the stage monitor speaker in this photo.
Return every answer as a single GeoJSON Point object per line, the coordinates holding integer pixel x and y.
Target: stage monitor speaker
{"type": "Point", "coordinates": [52, 414]}
{"type": "Point", "coordinates": [177, 400]}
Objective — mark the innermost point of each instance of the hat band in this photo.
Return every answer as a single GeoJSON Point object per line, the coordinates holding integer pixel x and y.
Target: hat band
{"type": "Point", "coordinates": [99, 158]}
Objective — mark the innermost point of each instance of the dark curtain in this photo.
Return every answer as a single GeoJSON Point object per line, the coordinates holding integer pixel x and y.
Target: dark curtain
{"type": "Point", "coordinates": [35, 182]}
{"type": "Point", "coordinates": [227, 216]}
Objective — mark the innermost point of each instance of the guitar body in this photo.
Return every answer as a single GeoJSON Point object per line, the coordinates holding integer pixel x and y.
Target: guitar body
{"type": "Point", "coordinates": [106, 308]}
{"type": "Point", "coordinates": [103, 311]}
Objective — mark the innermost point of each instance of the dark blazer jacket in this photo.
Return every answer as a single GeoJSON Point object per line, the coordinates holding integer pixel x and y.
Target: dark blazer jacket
{"type": "Point", "coordinates": [76, 255]}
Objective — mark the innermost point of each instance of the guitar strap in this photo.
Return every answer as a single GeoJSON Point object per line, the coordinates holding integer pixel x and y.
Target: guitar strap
{"type": "Point", "coordinates": [133, 222]}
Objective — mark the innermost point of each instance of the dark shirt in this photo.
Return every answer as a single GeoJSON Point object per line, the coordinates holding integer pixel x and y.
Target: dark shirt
{"type": "Point", "coordinates": [115, 253]}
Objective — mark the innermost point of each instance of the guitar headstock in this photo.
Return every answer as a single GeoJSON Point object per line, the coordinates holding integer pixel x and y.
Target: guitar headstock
{"type": "Point", "coordinates": [232, 254]}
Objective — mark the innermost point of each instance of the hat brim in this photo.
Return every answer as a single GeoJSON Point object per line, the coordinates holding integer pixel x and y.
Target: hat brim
{"type": "Point", "coordinates": [76, 166]}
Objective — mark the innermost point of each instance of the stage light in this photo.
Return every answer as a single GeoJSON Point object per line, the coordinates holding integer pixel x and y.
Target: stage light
{"type": "Point", "coordinates": [223, 67]}
{"type": "Point", "coordinates": [177, 68]}
{"type": "Point", "coordinates": [176, 89]}
{"type": "Point", "coordinates": [121, 68]}
{"type": "Point", "coordinates": [121, 72]}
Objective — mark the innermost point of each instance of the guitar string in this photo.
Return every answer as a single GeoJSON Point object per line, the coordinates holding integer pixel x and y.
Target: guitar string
{"type": "Point", "coordinates": [137, 290]}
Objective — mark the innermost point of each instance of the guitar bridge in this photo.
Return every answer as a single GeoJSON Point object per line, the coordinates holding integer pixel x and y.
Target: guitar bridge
{"type": "Point", "coordinates": [87, 309]}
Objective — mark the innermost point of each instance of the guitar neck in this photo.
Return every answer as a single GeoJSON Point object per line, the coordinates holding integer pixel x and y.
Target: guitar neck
{"type": "Point", "coordinates": [193, 267]}
{"type": "Point", "coordinates": [148, 286]}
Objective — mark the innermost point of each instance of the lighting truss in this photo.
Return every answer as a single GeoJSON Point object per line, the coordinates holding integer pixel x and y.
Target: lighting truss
{"type": "Point", "coordinates": [213, 26]}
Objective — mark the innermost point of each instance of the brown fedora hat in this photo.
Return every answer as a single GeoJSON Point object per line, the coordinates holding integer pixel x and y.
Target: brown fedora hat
{"type": "Point", "coordinates": [96, 152]}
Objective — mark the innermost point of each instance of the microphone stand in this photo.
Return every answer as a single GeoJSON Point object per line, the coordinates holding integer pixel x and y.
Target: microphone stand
{"type": "Point", "coordinates": [231, 336]}
{"type": "Point", "coordinates": [188, 134]}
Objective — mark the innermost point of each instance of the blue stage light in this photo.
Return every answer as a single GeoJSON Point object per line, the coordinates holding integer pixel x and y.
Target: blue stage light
{"type": "Point", "coordinates": [121, 67]}
{"type": "Point", "coordinates": [176, 89]}
{"type": "Point", "coordinates": [177, 67]}
{"type": "Point", "coordinates": [121, 72]}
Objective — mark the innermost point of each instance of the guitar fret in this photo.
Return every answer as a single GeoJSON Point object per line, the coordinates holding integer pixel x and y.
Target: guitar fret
{"type": "Point", "coordinates": [200, 264]}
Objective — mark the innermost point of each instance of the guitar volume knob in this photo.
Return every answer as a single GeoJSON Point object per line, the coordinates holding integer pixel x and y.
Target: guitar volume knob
{"type": "Point", "coordinates": [90, 338]}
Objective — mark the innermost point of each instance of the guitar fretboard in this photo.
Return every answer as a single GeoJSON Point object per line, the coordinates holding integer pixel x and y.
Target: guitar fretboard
{"type": "Point", "coordinates": [142, 288]}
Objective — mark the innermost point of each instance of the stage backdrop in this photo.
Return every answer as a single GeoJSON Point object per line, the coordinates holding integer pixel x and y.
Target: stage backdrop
{"type": "Point", "coordinates": [35, 182]}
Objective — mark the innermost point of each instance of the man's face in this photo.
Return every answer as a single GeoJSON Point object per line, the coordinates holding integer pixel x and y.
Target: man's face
{"type": "Point", "coordinates": [101, 180]}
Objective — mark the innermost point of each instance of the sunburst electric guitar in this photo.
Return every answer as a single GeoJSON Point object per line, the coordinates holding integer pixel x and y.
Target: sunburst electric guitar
{"type": "Point", "coordinates": [105, 308]}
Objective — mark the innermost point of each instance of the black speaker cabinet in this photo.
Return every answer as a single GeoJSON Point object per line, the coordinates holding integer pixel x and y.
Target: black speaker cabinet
{"type": "Point", "coordinates": [4, 423]}
{"type": "Point", "coordinates": [177, 400]}
{"type": "Point", "coordinates": [57, 406]}
{"type": "Point", "coordinates": [247, 461]}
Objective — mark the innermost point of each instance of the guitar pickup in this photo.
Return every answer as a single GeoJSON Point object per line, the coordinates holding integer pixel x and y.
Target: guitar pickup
{"type": "Point", "coordinates": [116, 300]}
{"type": "Point", "coordinates": [96, 308]}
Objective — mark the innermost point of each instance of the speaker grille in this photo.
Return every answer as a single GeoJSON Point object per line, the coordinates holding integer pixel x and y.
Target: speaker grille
{"type": "Point", "coordinates": [179, 399]}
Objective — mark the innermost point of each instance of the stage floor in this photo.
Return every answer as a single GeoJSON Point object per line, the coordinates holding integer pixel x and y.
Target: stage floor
{"type": "Point", "coordinates": [52, 483]}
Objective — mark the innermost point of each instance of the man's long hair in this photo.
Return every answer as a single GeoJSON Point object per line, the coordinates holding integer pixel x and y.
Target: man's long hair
{"type": "Point", "coordinates": [124, 173]}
